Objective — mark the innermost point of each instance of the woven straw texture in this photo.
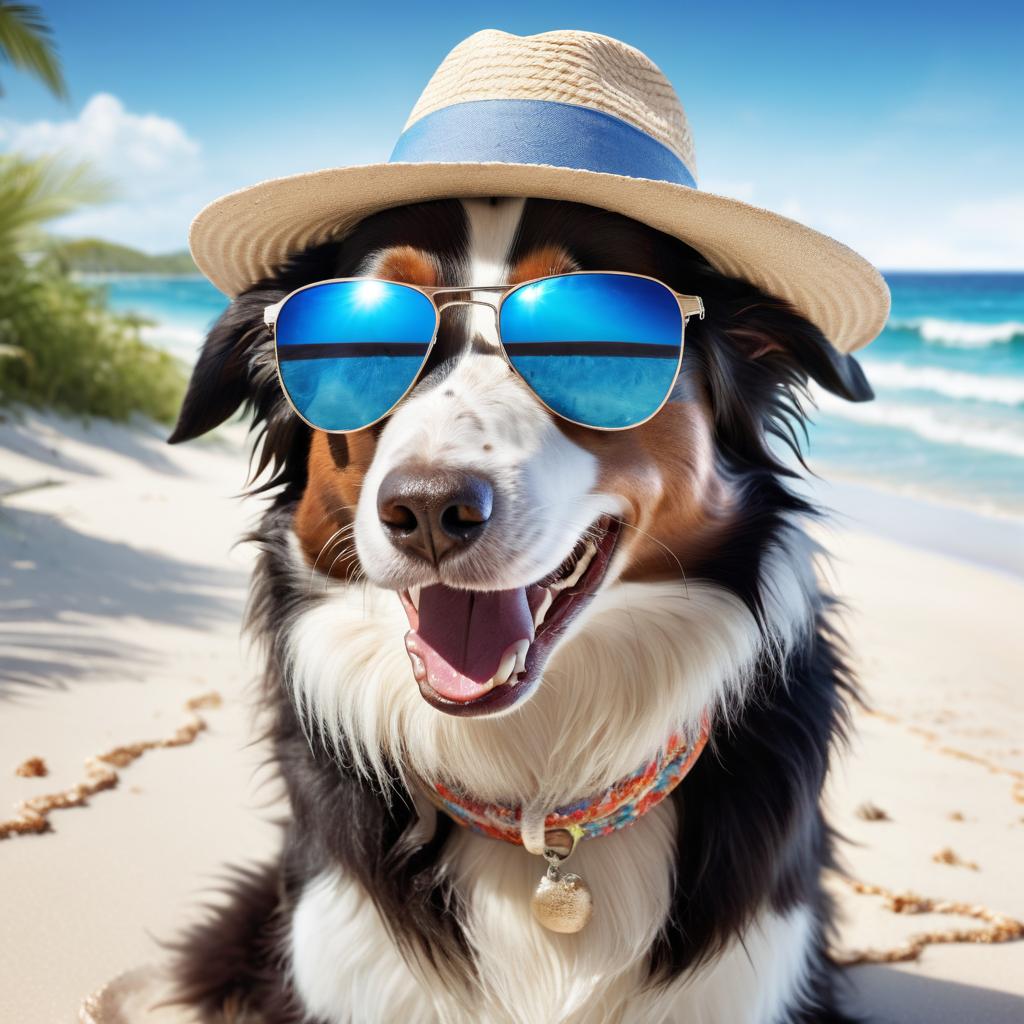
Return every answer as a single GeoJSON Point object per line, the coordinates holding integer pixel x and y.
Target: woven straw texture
{"type": "Point", "coordinates": [581, 68]}
{"type": "Point", "coordinates": [244, 236]}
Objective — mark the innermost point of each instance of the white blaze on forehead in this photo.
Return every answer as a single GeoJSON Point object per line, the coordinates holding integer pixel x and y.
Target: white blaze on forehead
{"type": "Point", "coordinates": [492, 227]}
{"type": "Point", "coordinates": [492, 230]}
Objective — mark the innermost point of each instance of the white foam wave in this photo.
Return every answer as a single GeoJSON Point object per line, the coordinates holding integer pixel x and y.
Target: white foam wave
{"type": "Point", "coordinates": [961, 333]}
{"type": "Point", "coordinates": [928, 424]}
{"type": "Point", "coordinates": [176, 339]}
{"type": "Point", "coordinates": [999, 390]}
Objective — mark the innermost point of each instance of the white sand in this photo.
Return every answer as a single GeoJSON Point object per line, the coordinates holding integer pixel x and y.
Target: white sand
{"type": "Point", "coordinates": [120, 599]}
{"type": "Point", "coordinates": [940, 648]}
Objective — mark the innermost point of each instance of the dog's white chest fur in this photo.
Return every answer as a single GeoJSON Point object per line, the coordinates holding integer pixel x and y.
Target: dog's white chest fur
{"type": "Point", "coordinates": [697, 647]}
{"type": "Point", "coordinates": [346, 967]}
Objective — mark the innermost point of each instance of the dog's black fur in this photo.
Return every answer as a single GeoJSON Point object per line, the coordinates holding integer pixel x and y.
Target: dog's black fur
{"type": "Point", "coordinates": [754, 830]}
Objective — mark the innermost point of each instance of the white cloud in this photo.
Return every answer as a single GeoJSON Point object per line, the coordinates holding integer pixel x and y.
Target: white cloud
{"type": "Point", "coordinates": [1002, 216]}
{"type": "Point", "coordinates": [154, 165]}
{"type": "Point", "coordinates": [157, 224]}
{"type": "Point", "coordinates": [933, 233]}
{"type": "Point", "coordinates": [979, 234]}
{"type": "Point", "coordinates": [141, 152]}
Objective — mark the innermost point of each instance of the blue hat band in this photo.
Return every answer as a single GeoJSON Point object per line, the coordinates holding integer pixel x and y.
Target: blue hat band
{"type": "Point", "coordinates": [539, 132]}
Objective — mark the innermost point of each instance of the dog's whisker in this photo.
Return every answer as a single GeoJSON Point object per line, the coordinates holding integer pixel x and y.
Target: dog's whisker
{"type": "Point", "coordinates": [665, 547]}
{"type": "Point", "coordinates": [346, 552]}
{"type": "Point", "coordinates": [338, 537]}
{"type": "Point", "coordinates": [339, 533]}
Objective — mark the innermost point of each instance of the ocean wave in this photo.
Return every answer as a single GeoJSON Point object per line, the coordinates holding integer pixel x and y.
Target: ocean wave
{"type": "Point", "coordinates": [961, 333]}
{"type": "Point", "coordinates": [998, 390]}
{"type": "Point", "coordinates": [176, 339]}
{"type": "Point", "coordinates": [928, 424]}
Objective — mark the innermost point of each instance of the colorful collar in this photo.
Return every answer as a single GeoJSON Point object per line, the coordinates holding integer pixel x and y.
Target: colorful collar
{"type": "Point", "coordinates": [618, 806]}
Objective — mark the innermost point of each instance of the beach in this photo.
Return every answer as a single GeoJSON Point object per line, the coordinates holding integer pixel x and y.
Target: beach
{"type": "Point", "coordinates": [848, 344]}
{"type": "Point", "coordinates": [122, 594]}
{"type": "Point", "coordinates": [122, 598]}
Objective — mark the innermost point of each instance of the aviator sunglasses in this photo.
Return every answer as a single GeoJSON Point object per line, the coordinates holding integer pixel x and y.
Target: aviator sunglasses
{"type": "Point", "coordinates": [599, 349]}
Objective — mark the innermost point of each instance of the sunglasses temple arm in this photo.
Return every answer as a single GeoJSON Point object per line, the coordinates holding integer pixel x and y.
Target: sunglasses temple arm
{"type": "Point", "coordinates": [270, 313]}
{"type": "Point", "coordinates": [691, 305]}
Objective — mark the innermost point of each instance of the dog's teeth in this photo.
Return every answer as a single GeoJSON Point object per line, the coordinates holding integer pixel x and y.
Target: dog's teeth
{"type": "Point", "coordinates": [419, 669]}
{"type": "Point", "coordinates": [513, 661]}
{"type": "Point", "coordinates": [414, 596]}
{"type": "Point", "coordinates": [542, 608]}
{"type": "Point", "coordinates": [580, 568]}
{"type": "Point", "coordinates": [504, 670]}
{"type": "Point", "coordinates": [522, 649]}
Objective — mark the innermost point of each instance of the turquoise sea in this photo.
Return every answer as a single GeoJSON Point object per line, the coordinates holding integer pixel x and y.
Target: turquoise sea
{"type": "Point", "coordinates": [948, 372]}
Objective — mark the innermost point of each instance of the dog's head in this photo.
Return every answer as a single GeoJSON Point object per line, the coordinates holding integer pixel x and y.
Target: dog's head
{"type": "Point", "coordinates": [494, 522]}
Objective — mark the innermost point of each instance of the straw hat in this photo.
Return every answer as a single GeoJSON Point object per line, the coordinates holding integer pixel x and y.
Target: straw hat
{"type": "Point", "coordinates": [562, 115]}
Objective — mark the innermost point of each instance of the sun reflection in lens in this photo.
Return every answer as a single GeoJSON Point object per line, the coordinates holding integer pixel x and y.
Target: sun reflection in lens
{"type": "Point", "coordinates": [533, 293]}
{"type": "Point", "coordinates": [369, 294]}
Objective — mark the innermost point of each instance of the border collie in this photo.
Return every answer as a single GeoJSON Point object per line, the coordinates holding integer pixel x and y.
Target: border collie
{"type": "Point", "coordinates": [710, 907]}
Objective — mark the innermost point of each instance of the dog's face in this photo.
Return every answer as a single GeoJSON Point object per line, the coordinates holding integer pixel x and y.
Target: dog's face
{"type": "Point", "coordinates": [494, 522]}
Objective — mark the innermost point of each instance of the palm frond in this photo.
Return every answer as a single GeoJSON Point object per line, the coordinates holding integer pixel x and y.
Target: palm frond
{"type": "Point", "coordinates": [26, 42]}
{"type": "Point", "coordinates": [36, 190]}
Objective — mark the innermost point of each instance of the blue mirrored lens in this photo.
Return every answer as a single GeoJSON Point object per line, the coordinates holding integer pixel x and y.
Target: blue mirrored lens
{"type": "Point", "coordinates": [348, 350]}
{"type": "Point", "coordinates": [600, 349]}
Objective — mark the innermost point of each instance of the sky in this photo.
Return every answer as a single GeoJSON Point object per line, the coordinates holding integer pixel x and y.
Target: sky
{"type": "Point", "coordinates": [896, 127]}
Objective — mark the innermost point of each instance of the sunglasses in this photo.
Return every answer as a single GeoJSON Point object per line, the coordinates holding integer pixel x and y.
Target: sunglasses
{"type": "Point", "coordinates": [600, 350]}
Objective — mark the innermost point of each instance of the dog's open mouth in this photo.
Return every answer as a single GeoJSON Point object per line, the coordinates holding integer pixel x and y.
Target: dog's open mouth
{"type": "Point", "coordinates": [477, 652]}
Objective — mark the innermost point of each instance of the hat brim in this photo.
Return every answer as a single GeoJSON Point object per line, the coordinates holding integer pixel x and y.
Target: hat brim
{"type": "Point", "coordinates": [242, 237]}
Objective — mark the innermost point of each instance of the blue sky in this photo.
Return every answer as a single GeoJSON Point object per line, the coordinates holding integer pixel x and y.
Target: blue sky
{"type": "Point", "coordinates": [896, 127]}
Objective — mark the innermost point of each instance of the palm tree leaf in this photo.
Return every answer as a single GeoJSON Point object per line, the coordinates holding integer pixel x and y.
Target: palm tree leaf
{"type": "Point", "coordinates": [14, 352]}
{"type": "Point", "coordinates": [36, 190]}
{"type": "Point", "coordinates": [26, 42]}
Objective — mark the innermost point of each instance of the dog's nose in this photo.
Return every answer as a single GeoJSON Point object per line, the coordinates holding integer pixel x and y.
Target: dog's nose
{"type": "Point", "coordinates": [429, 513]}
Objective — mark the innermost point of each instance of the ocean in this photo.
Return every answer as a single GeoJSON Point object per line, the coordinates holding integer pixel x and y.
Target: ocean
{"type": "Point", "coordinates": [948, 372]}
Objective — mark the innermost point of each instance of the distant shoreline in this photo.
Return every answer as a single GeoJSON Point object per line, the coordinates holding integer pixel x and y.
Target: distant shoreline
{"type": "Point", "coordinates": [990, 539]}
{"type": "Point", "coordinates": [949, 272]}
{"type": "Point", "coordinates": [121, 275]}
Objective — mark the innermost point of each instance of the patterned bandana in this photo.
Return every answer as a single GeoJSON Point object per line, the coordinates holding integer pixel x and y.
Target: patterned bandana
{"type": "Point", "coordinates": [618, 806]}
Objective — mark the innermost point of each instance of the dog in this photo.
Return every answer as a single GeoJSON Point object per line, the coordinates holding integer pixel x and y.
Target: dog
{"type": "Point", "coordinates": [700, 611]}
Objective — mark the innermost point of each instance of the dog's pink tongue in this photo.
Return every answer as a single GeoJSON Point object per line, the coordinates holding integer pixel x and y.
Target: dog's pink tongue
{"type": "Point", "coordinates": [462, 635]}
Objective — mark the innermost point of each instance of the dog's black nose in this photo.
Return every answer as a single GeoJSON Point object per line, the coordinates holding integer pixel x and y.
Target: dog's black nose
{"type": "Point", "coordinates": [432, 512]}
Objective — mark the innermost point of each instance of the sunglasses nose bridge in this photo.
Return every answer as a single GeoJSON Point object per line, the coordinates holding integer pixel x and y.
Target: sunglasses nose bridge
{"type": "Point", "coordinates": [492, 306]}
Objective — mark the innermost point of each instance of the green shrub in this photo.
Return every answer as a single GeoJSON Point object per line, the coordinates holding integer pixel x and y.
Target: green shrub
{"type": "Point", "coordinates": [61, 347]}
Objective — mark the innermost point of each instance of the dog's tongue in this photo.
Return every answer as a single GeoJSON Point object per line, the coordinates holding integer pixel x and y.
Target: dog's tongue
{"type": "Point", "coordinates": [461, 637]}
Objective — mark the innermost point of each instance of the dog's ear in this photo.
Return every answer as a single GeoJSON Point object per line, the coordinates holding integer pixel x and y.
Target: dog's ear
{"type": "Point", "coordinates": [769, 330]}
{"type": "Point", "coordinates": [221, 379]}
{"type": "Point", "coordinates": [841, 374]}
